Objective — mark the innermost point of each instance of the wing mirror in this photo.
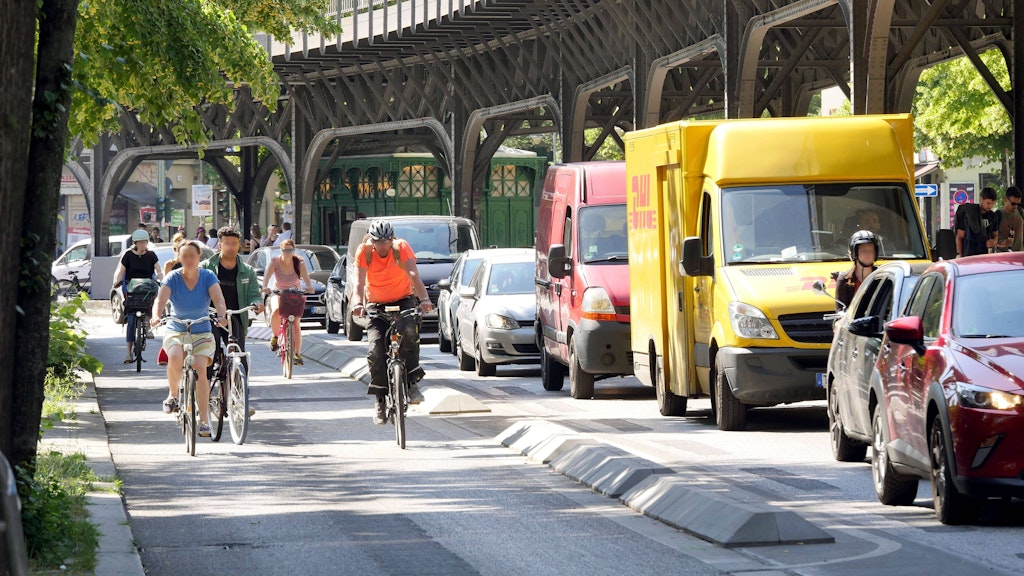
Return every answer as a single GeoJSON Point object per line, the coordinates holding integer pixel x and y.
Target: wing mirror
{"type": "Point", "coordinates": [467, 292]}
{"type": "Point", "coordinates": [559, 265]}
{"type": "Point", "coordinates": [444, 284]}
{"type": "Point", "coordinates": [868, 326]}
{"type": "Point", "coordinates": [908, 331]}
{"type": "Point", "coordinates": [694, 263]}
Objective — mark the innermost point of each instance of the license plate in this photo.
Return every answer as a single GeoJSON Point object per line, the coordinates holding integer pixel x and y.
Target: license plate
{"type": "Point", "coordinates": [819, 380]}
{"type": "Point", "coordinates": [319, 309]}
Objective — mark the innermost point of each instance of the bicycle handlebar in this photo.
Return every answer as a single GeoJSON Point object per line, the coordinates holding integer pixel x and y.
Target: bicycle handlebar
{"type": "Point", "coordinates": [249, 308]}
{"type": "Point", "coordinates": [185, 321]}
{"type": "Point", "coordinates": [374, 311]}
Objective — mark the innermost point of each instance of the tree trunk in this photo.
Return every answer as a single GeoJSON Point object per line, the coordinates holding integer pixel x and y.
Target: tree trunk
{"type": "Point", "coordinates": [52, 99]}
{"type": "Point", "coordinates": [17, 38]}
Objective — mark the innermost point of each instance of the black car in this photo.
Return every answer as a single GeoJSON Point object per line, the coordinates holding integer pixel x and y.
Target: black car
{"type": "Point", "coordinates": [315, 309]}
{"type": "Point", "coordinates": [858, 335]}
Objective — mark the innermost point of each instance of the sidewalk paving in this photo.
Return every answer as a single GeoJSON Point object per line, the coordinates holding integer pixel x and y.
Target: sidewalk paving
{"type": "Point", "coordinates": [87, 433]}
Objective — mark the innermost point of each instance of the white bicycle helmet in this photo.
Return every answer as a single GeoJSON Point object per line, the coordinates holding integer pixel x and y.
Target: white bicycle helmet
{"type": "Point", "coordinates": [381, 230]}
{"type": "Point", "coordinates": [140, 235]}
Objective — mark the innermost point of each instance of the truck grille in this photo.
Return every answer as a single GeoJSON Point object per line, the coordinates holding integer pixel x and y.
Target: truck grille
{"type": "Point", "coordinates": [809, 328]}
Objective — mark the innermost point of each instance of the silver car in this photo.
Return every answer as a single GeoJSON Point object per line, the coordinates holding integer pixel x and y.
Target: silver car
{"type": "Point", "coordinates": [496, 315]}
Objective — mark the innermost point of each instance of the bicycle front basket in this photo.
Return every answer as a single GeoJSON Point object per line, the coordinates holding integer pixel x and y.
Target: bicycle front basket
{"type": "Point", "coordinates": [292, 304]}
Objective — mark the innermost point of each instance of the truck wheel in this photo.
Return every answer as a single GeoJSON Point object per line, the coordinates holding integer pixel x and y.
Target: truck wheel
{"type": "Point", "coordinates": [669, 403]}
{"type": "Point", "coordinates": [581, 382]}
{"type": "Point", "coordinates": [353, 331]}
{"type": "Point", "coordinates": [730, 413]}
{"type": "Point", "coordinates": [552, 374]}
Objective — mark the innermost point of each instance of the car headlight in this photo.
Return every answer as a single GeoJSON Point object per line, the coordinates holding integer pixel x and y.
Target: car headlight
{"type": "Point", "coordinates": [597, 305]}
{"type": "Point", "coordinates": [972, 396]}
{"type": "Point", "coordinates": [500, 322]}
{"type": "Point", "coordinates": [749, 322]}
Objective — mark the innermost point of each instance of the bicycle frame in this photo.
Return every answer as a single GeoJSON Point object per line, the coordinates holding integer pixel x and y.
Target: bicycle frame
{"type": "Point", "coordinates": [396, 400]}
{"type": "Point", "coordinates": [287, 329]}
{"type": "Point", "coordinates": [234, 387]}
{"type": "Point", "coordinates": [187, 397]}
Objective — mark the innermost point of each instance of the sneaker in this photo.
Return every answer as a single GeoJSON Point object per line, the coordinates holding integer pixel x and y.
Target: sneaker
{"type": "Point", "coordinates": [204, 430]}
{"type": "Point", "coordinates": [170, 405]}
{"type": "Point", "coordinates": [252, 412]}
{"type": "Point", "coordinates": [298, 359]}
{"type": "Point", "coordinates": [415, 396]}
{"type": "Point", "coordinates": [382, 412]}
{"type": "Point", "coordinates": [273, 343]}
{"type": "Point", "coordinates": [129, 359]}
{"type": "Point", "coordinates": [415, 375]}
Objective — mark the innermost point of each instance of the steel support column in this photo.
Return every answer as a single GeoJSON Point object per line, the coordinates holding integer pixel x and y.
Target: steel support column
{"type": "Point", "coordinates": [246, 193]}
{"type": "Point", "coordinates": [1017, 86]}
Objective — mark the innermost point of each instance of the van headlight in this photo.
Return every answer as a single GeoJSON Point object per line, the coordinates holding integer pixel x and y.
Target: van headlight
{"type": "Point", "coordinates": [500, 322]}
{"type": "Point", "coordinates": [749, 322]}
{"type": "Point", "coordinates": [597, 305]}
{"type": "Point", "coordinates": [972, 396]}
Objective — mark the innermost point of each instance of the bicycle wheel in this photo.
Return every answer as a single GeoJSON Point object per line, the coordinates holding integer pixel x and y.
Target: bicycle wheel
{"type": "Point", "coordinates": [216, 408]}
{"type": "Point", "coordinates": [238, 402]}
{"type": "Point", "coordinates": [191, 427]}
{"type": "Point", "coordinates": [398, 396]}
{"type": "Point", "coordinates": [287, 351]}
{"type": "Point", "coordinates": [64, 288]}
{"type": "Point", "coordinates": [140, 341]}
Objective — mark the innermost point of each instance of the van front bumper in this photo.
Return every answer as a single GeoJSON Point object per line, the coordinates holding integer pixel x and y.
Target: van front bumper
{"type": "Point", "coordinates": [603, 347]}
{"type": "Point", "coordinates": [770, 376]}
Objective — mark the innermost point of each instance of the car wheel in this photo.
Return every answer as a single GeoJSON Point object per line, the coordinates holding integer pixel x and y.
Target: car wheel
{"type": "Point", "coordinates": [443, 343]}
{"type": "Point", "coordinates": [730, 413]}
{"type": "Point", "coordinates": [891, 488]}
{"type": "Point", "coordinates": [844, 448]}
{"type": "Point", "coordinates": [552, 374]}
{"type": "Point", "coordinates": [466, 363]}
{"type": "Point", "coordinates": [581, 382]}
{"type": "Point", "coordinates": [353, 331]}
{"type": "Point", "coordinates": [483, 368]}
{"type": "Point", "coordinates": [455, 336]}
{"type": "Point", "coordinates": [332, 326]}
{"type": "Point", "coordinates": [951, 507]}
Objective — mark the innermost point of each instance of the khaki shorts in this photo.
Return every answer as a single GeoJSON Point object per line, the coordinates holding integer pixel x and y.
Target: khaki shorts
{"type": "Point", "coordinates": [203, 344]}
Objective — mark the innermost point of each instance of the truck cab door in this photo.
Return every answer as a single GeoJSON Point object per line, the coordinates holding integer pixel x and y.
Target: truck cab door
{"type": "Point", "coordinates": [562, 295]}
{"type": "Point", "coordinates": [703, 299]}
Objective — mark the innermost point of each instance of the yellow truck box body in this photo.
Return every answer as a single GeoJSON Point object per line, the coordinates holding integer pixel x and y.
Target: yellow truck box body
{"type": "Point", "coordinates": [694, 179]}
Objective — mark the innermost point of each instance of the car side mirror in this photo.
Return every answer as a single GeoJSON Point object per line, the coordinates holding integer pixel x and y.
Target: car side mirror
{"type": "Point", "coordinates": [559, 265]}
{"type": "Point", "coordinates": [868, 326]}
{"type": "Point", "coordinates": [336, 280]}
{"type": "Point", "coordinates": [444, 284]}
{"type": "Point", "coordinates": [467, 292]}
{"type": "Point", "coordinates": [908, 331]}
{"type": "Point", "coordinates": [259, 271]}
{"type": "Point", "coordinates": [945, 245]}
{"type": "Point", "coordinates": [694, 263]}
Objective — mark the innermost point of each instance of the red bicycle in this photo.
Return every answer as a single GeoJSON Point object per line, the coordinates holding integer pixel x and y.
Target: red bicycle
{"type": "Point", "coordinates": [291, 304]}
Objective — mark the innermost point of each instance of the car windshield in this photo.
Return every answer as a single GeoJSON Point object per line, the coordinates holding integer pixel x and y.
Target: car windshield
{"type": "Point", "coordinates": [982, 308]}
{"type": "Point", "coordinates": [326, 259]}
{"type": "Point", "coordinates": [814, 222]}
{"type": "Point", "coordinates": [602, 235]}
{"type": "Point", "coordinates": [511, 278]}
{"type": "Point", "coordinates": [435, 241]}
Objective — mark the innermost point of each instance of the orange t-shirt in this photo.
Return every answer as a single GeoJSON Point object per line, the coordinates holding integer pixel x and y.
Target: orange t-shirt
{"type": "Point", "coordinates": [386, 280]}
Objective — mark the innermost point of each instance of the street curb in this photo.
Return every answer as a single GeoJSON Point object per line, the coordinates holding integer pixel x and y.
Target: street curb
{"type": "Point", "coordinates": [655, 491]}
{"type": "Point", "coordinates": [87, 434]}
{"type": "Point", "coordinates": [346, 363]}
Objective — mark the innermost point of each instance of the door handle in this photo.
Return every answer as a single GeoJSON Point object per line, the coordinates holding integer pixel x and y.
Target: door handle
{"type": "Point", "coordinates": [558, 289]}
{"type": "Point", "coordinates": [853, 353]}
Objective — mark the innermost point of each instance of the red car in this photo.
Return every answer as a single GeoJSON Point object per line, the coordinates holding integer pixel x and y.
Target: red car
{"type": "Point", "coordinates": [950, 387]}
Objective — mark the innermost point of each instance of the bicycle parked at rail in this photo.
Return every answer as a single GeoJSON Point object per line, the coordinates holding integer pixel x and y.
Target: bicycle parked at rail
{"type": "Point", "coordinates": [68, 287]}
{"type": "Point", "coordinates": [397, 401]}
{"type": "Point", "coordinates": [187, 399]}
{"type": "Point", "coordinates": [229, 385]}
{"type": "Point", "coordinates": [291, 304]}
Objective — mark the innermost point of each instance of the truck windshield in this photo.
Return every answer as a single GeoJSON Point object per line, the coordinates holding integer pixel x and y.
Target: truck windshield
{"type": "Point", "coordinates": [814, 222]}
{"type": "Point", "coordinates": [602, 234]}
{"type": "Point", "coordinates": [436, 241]}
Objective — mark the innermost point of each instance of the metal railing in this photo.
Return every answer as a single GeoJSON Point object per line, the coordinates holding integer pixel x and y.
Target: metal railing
{"type": "Point", "coordinates": [13, 557]}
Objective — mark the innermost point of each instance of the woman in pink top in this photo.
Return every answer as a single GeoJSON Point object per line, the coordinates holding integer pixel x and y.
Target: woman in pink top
{"type": "Point", "coordinates": [289, 272]}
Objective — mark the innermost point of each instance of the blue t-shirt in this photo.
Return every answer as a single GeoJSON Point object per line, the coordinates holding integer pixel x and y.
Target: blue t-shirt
{"type": "Point", "coordinates": [190, 304]}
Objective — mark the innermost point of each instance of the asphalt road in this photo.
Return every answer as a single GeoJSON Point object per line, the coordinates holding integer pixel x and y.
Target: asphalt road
{"type": "Point", "coordinates": [317, 489]}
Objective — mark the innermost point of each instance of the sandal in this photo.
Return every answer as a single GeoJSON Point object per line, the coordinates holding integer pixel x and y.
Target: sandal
{"type": "Point", "coordinates": [170, 405]}
{"type": "Point", "coordinates": [129, 359]}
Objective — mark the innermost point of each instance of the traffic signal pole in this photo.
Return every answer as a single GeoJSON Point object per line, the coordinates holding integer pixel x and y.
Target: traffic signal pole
{"type": "Point", "coordinates": [1017, 85]}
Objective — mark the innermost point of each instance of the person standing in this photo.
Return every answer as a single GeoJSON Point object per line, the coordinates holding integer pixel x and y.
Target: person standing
{"type": "Point", "coordinates": [201, 235]}
{"type": "Point", "coordinates": [213, 240]}
{"type": "Point", "coordinates": [137, 263]}
{"type": "Point", "coordinates": [977, 225]}
{"type": "Point", "coordinates": [1011, 225]}
{"type": "Point", "coordinates": [285, 235]}
{"type": "Point", "coordinates": [863, 251]}
{"type": "Point", "coordinates": [255, 238]}
{"type": "Point", "coordinates": [270, 237]}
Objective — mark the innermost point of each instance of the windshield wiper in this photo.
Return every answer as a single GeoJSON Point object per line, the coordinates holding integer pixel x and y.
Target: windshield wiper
{"type": "Point", "coordinates": [986, 336]}
{"type": "Point", "coordinates": [608, 259]}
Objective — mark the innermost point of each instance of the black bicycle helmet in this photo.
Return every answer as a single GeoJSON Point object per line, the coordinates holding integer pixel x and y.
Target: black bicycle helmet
{"type": "Point", "coordinates": [859, 238]}
{"type": "Point", "coordinates": [381, 230]}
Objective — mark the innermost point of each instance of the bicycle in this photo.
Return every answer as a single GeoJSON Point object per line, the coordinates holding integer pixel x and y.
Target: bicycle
{"type": "Point", "coordinates": [187, 402]}
{"type": "Point", "coordinates": [293, 302]}
{"type": "Point", "coordinates": [229, 386]}
{"type": "Point", "coordinates": [68, 288]}
{"type": "Point", "coordinates": [396, 401]}
{"type": "Point", "coordinates": [139, 304]}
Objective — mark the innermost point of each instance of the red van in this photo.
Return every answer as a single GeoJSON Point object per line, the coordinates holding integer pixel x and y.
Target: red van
{"type": "Point", "coordinates": [582, 276]}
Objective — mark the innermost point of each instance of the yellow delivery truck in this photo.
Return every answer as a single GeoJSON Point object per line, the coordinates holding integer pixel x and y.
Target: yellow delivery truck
{"type": "Point", "coordinates": [730, 223]}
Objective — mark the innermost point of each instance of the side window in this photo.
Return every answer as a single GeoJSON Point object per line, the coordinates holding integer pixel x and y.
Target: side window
{"type": "Point", "coordinates": [707, 245]}
{"type": "Point", "coordinates": [932, 316]}
{"type": "Point", "coordinates": [567, 233]}
{"type": "Point", "coordinates": [881, 303]}
{"type": "Point", "coordinates": [863, 299]}
{"type": "Point", "coordinates": [915, 307]}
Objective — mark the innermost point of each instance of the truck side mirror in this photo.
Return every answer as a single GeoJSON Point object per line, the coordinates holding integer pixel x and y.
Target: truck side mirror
{"type": "Point", "coordinates": [945, 245]}
{"type": "Point", "coordinates": [694, 263]}
{"type": "Point", "coordinates": [559, 265]}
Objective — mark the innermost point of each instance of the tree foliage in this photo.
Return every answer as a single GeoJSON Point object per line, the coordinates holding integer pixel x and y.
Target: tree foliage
{"type": "Point", "coordinates": [956, 113]}
{"type": "Point", "coordinates": [161, 59]}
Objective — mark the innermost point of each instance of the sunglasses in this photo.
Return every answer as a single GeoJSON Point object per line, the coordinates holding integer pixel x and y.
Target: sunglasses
{"type": "Point", "coordinates": [1014, 204]}
{"type": "Point", "coordinates": [288, 250]}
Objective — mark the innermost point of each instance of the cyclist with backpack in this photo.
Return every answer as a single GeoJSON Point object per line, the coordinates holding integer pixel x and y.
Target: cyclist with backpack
{"type": "Point", "coordinates": [388, 277]}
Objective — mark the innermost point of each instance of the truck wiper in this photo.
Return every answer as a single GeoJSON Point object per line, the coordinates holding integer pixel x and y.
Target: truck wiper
{"type": "Point", "coordinates": [608, 259]}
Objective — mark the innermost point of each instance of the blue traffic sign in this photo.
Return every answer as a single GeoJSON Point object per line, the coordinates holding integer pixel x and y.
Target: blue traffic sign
{"type": "Point", "coordinates": [926, 190]}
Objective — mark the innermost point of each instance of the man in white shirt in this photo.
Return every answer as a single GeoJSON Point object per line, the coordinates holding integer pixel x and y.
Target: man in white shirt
{"type": "Point", "coordinates": [285, 235]}
{"type": "Point", "coordinates": [213, 241]}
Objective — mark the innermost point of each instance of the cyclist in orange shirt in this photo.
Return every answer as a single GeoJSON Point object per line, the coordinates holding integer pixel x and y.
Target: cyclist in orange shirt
{"type": "Point", "coordinates": [388, 277]}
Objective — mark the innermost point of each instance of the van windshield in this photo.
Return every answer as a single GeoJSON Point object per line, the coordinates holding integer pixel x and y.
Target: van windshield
{"type": "Point", "coordinates": [814, 222]}
{"type": "Point", "coordinates": [602, 234]}
{"type": "Point", "coordinates": [436, 241]}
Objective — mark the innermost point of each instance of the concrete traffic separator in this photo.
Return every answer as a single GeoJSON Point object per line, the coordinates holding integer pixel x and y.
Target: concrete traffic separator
{"type": "Point", "coordinates": [441, 400]}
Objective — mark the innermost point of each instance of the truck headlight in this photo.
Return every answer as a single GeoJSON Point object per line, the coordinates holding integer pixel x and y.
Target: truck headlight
{"type": "Point", "coordinates": [749, 322]}
{"type": "Point", "coordinates": [597, 305]}
{"type": "Point", "coordinates": [972, 396]}
{"type": "Point", "coordinates": [500, 322]}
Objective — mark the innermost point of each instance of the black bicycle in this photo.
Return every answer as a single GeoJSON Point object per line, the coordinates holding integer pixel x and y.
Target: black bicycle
{"type": "Point", "coordinates": [229, 386]}
{"type": "Point", "coordinates": [68, 287]}
{"type": "Point", "coordinates": [396, 401]}
{"type": "Point", "coordinates": [138, 302]}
